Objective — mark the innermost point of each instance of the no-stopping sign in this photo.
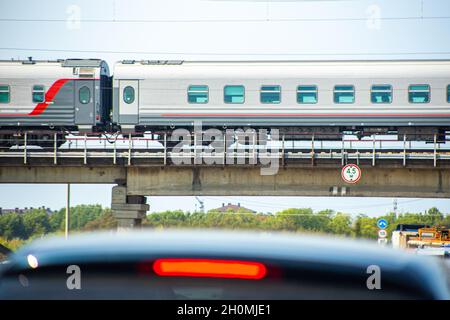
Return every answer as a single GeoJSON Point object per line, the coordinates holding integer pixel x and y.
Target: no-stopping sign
{"type": "Point", "coordinates": [382, 233]}
{"type": "Point", "coordinates": [351, 173]}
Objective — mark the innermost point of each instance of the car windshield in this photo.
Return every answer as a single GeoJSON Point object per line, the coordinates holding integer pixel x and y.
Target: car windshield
{"type": "Point", "coordinates": [225, 150]}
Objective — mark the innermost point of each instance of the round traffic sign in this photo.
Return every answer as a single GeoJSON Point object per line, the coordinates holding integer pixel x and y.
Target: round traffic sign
{"type": "Point", "coordinates": [351, 173]}
{"type": "Point", "coordinates": [382, 224]}
{"type": "Point", "coordinates": [382, 233]}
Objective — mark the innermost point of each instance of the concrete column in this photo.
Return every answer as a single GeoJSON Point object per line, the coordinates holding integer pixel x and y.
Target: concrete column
{"type": "Point", "coordinates": [128, 210]}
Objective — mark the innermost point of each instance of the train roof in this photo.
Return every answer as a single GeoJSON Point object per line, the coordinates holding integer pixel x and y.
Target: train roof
{"type": "Point", "coordinates": [62, 62]}
{"type": "Point", "coordinates": [178, 69]}
{"type": "Point", "coordinates": [178, 62]}
{"type": "Point", "coordinates": [51, 68]}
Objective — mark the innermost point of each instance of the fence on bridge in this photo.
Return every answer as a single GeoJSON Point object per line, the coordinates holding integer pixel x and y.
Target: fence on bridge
{"type": "Point", "coordinates": [154, 149]}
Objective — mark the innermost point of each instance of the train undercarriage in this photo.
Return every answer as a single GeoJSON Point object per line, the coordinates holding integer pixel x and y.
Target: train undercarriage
{"type": "Point", "coordinates": [331, 133]}
{"type": "Point", "coordinates": [51, 137]}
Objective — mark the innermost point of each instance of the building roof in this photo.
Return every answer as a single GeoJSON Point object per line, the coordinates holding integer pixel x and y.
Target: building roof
{"type": "Point", "coordinates": [233, 208]}
{"type": "Point", "coordinates": [25, 210]}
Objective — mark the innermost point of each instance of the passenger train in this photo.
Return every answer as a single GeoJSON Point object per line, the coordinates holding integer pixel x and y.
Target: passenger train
{"type": "Point", "coordinates": [297, 97]}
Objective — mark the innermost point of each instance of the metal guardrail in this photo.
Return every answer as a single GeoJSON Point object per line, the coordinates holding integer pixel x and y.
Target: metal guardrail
{"type": "Point", "coordinates": [125, 149]}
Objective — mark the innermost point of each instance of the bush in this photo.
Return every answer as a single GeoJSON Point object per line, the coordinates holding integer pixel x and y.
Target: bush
{"type": "Point", "coordinates": [15, 228]}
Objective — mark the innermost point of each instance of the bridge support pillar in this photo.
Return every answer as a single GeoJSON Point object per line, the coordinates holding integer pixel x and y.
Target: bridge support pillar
{"type": "Point", "coordinates": [128, 210]}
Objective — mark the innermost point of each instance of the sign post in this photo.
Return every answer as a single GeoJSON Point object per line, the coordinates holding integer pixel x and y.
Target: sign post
{"type": "Point", "coordinates": [67, 220]}
{"type": "Point", "coordinates": [382, 233]}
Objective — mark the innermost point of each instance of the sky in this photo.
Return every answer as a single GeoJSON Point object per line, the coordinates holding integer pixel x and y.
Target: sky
{"type": "Point", "coordinates": [222, 30]}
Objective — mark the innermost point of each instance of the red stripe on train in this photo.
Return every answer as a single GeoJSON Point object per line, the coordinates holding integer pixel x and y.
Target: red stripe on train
{"type": "Point", "coordinates": [49, 96]}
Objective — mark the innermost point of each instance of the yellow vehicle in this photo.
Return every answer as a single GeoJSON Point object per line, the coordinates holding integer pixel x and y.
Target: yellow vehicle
{"type": "Point", "coordinates": [431, 237]}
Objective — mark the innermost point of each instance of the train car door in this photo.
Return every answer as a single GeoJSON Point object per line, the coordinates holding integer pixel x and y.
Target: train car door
{"type": "Point", "coordinates": [128, 101]}
{"type": "Point", "coordinates": [84, 101]}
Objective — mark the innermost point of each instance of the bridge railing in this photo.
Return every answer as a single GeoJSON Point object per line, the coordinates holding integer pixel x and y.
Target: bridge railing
{"type": "Point", "coordinates": [126, 149]}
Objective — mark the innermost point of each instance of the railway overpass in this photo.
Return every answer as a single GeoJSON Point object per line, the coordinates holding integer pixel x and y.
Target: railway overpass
{"type": "Point", "coordinates": [137, 172]}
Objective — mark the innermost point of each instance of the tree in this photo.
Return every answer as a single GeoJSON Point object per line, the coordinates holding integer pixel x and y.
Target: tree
{"type": "Point", "coordinates": [80, 215]}
{"type": "Point", "coordinates": [11, 226]}
{"type": "Point", "coordinates": [167, 218]}
{"type": "Point", "coordinates": [36, 222]}
{"type": "Point", "coordinates": [303, 219]}
{"type": "Point", "coordinates": [340, 224]}
{"type": "Point", "coordinates": [435, 215]}
{"type": "Point", "coordinates": [105, 222]}
{"type": "Point", "coordinates": [57, 220]}
{"type": "Point", "coordinates": [365, 227]}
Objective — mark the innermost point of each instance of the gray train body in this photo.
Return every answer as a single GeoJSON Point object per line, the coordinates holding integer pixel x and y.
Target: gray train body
{"type": "Point", "coordinates": [161, 89]}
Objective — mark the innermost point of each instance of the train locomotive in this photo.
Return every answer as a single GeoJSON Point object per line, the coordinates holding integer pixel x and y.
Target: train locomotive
{"type": "Point", "coordinates": [300, 98]}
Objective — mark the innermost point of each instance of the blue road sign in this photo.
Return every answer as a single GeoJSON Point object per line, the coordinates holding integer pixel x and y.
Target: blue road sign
{"type": "Point", "coordinates": [382, 224]}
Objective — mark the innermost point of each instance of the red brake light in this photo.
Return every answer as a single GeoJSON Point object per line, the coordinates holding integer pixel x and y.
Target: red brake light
{"type": "Point", "coordinates": [209, 268]}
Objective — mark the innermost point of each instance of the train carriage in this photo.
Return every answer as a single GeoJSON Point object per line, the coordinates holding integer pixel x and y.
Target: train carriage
{"type": "Point", "coordinates": [53, 96]}
{"type": "Point", "coordinates": [324, 97]}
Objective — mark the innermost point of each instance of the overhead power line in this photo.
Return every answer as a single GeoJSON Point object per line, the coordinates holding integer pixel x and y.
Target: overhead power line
{"type": "Point", "coordinates": [387, 204]}
{"type": "Point", "coordinates": [260, 20]}
{"type": "Point", "coordinates": [281, 206]}
{"type": "Point", "coordinates": [231, 54]}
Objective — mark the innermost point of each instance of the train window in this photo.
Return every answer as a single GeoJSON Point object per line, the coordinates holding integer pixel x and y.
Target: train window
{"type": "Point", "coordinates": [270, 94]}
{"type": "Point", "coordinates": [419, 93]}
{"type": "Point", "coordinates": [448, 93]}
{"type": "Point", "coordinates": [307, 94]}
{"type": "Point", "coordinates": [234, 94]}
{"type": "Point", "coordinates": [198, 94]}
{"type": "Point", "coordinates": [84, 95]}
{"type": "Point", "coordinates": [38, 94]}
{"type": "Point", "coordinates": [344, 94]}
{"type": "Point", "coordinates": [381, 93]}
{"type": "Point", "coordinates": [128, 94]}
{"type": "Point", "coordinates": [4, 94]}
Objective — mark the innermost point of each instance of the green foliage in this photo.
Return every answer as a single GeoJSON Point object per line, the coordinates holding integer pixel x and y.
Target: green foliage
{"type": "Point", "coordinates": [82, 214]}
{"type": "Point", "coordinates": [365, 227]}
{"type": "Point", "coordinates": [37, 222]}
{"type": "Point", "coordinates": [57, 220]}
{"type": "Point", "coordinates": [303, 220]}
{"type": "Point", "coordinates": [79, 216]}
{"type": "Point", "coordinates": [340, 224]}
{"type": "Point", "coordinates": [167, 218]}
{"type": "Point", "coordinates": [12, 244]}
{"type": "Point", "coordinates": [11, 226]}
{"type": "Point", "coordinates": [105, 221]}
{"type": "Point", "coordinates": [15, 229]}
